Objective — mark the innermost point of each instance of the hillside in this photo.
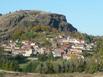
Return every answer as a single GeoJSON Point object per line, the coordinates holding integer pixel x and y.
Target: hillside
{"type": "Point", "coordinates": [30, 18]}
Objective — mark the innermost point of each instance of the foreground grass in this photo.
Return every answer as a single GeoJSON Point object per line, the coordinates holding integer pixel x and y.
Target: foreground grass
{"type": "Point", "coordinates": [50, 75]}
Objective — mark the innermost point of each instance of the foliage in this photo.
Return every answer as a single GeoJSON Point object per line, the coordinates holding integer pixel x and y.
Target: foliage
{"type": "Point", "coordinates": [42, 57]}
{"type": "Point", "coordinates": [58, 66]}
{"type": "Point", "coordinates": [40, 28]}
{"type": "Point", "coordinates": [1, 51]}
{"type": "Point", "coordinates": [30, 32]}
{"type": "Point", "coordinates": [91, 65]}
{"type": "Point", "coordinates": [88, 38]}
{"type": "Point", "coordinates": [46, 63]}
{"type": "Point", "coordinates": [8, 63]}
{"type": "Point", "coordinates": [17, 33]}
{"type": "Point", "coordinates": [1, 74]}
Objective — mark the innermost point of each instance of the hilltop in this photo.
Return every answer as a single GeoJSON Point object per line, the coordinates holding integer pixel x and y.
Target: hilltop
{"type": "Point", "coordinates": [30, 18]}
{"type": "Point", "coordinates": [45, 43]}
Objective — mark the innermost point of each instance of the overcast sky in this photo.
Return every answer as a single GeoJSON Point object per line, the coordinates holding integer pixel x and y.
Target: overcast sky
{"type": "Point", "coordinates": [85, 15]}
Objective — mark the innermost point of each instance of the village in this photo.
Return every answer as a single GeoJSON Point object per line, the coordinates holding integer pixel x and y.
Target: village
{"type": "Point", "coordinates": [63, 47]}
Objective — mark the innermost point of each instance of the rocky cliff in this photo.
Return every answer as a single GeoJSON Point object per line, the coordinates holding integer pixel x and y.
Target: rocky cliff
{"type": "Point", "coordinates": [33, 18]}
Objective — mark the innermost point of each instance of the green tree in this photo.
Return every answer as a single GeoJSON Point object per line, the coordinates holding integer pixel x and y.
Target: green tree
{"type": "Point", "coordinates": [91, 65]}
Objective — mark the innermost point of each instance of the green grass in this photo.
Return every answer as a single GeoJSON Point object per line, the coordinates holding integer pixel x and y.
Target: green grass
{"type": "Point", "coordinates": [53, 75]}
{"type": "Point", "coordinates": [1, 74]}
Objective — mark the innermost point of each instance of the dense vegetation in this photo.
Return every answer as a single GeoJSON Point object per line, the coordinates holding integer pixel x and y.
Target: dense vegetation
{"type": "Point", "coordinates": [49, 64]}
{"type": "Point", "coordinates": [27, 18]}
{"type": "Point", "coordinates": [63, 66]}
{"type": "Point", "coordinates": [90, 64]}
{"type": "Point", "coordinates": [32, 32]}
{"type": "Point", "coordinates": [7, 62]}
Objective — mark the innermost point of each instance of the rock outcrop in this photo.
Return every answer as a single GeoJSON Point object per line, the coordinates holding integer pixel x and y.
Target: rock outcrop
{"type": "Point", "coordinates": [32, 18]}
{"type": "Point", "coordinates": [24, 18]}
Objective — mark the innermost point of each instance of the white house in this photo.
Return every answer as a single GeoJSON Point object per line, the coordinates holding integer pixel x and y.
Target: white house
{"type": "Point", "coordinates": [57, 53]}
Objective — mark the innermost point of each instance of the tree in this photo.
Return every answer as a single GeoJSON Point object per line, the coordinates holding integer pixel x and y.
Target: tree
{"type": "Point", "coordinates": [42, 57]}
{"type": "Point", "coordinates": [50, 56]}
{"type": "Point", "coordinates": [17, 33]}
{"type": "Point", "coordinates": [99, 53]}
{"type": "Point", "coordinates": [8, 63]}
{"type": "Point", "coordinates": [1, 51]}
{"type": "Point", "coordinates": [91, 65]}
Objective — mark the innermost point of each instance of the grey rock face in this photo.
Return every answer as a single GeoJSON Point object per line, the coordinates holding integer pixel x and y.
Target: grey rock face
{"type": "Point", "coordinates": [34, 18]}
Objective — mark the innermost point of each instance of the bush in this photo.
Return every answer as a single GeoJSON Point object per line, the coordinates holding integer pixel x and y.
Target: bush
{"type": "Point", "coordinates": [1, 74]}
{"type": "Point", "coordinates": [8, 63]}
{"type": "Point", "coordinates": [91, 65]}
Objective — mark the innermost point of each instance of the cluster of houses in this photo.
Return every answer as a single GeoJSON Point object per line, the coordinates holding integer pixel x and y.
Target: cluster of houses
{"type": "Point", "coordinates": [63, 46]}
{"type": "Point", "coordinates": [25, 48]}
{"type": "Point", "coordinates": [69, 47]}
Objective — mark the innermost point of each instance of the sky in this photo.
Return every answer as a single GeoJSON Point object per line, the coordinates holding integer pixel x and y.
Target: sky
{"type": "Point", "coordinates": [85, 15]}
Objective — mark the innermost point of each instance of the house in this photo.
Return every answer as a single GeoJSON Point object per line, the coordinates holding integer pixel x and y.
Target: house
{"type": "Point", "coordinates": [78, 46]}
{"type": "Point", "coordinates": [74, 41]}
{"type": "Point", "coordinates": [24, 52]}
{"type": "Point", "coordinates": [27, 52]}
{"type": "Point", "coordinates": [41, 50]}
{"type": "Point", "coordinates": [56, 53]}
{"type": "Point", "coordinates": [75, 51]}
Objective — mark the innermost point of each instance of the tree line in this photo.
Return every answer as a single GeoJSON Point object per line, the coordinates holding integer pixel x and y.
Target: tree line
{"type": "Point", "coordinates": [49, 64]}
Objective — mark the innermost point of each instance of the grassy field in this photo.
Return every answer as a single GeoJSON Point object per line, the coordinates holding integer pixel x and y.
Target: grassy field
{"type": "Point", "coordinates": [50, 75]}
